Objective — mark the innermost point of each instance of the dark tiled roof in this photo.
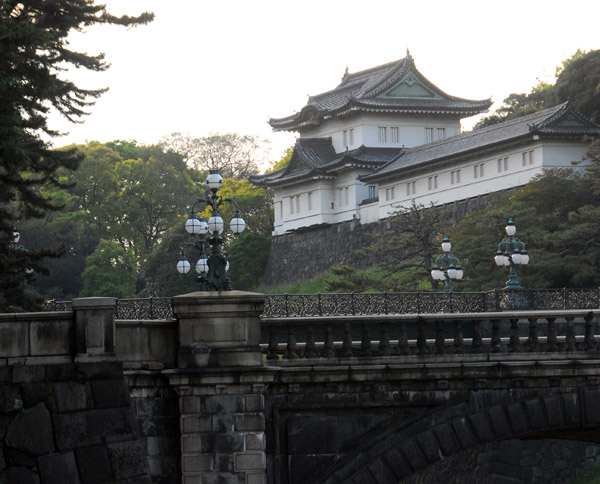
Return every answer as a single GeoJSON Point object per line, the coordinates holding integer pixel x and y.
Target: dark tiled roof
{"type": "Point", "coordinates": [394, 87]}
{"type": "Point", "coordinates": [560, 120]}
{"type": "Point", "coordinates": [316, 157]}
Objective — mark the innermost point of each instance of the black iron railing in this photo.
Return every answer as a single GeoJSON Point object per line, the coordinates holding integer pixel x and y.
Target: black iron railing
{"type": "Point", "coordinates": [363, 304]}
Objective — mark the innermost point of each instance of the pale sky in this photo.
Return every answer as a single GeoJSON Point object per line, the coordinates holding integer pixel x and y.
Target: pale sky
{"type": "Point", "coordinates": [224, 66]}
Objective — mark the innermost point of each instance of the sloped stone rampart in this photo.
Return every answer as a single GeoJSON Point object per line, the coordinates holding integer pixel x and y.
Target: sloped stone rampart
{"type": "Point", "coordinates": [307, 252]}
{"type": "Point", "coordinates": [68, 424]}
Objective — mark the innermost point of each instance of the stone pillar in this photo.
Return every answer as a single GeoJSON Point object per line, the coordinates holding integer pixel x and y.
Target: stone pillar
{"type": "Point", "coordinates": [221, 383]}
{"type": "Point", "coordinates": [95, 328]}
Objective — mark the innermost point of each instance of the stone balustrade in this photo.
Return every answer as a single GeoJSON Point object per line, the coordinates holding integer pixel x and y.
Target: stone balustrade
{"type": "Point", "coordinates": [428, 335]}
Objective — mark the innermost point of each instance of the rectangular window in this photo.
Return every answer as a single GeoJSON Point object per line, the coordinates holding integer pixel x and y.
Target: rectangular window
{"type": "Point", "coordinates": [524, 158]}
{"type": "Point", "coordinates": [395, 134]}
{"type": "Point", "coordinates": [340, 196]}
{"type": "Point", "coordinates": [389, 193]}
{"type": "Point", "coordinates": [351, 136]}
{"type": "Point", "coordinates": [291, 205]}
{"type": "Point", "coordinates": [382, 134]}
{"type": "Point", "coordinates": [432, 182]}
{"type": "Point", "coordinates": [531, 157]}
{"type": "Point", "coordinates": [499, 165]}
{"type": "Point", "coordinates": [428, 135]}
{"type": "Point", "coordinates": [454, 177]}
{"type": "Point", "coordinates": [505, 163]}
{"type": "Point", "coordinates": [372, 191]}
{"type": "Point", "coordinates": [411, 188]}
{"type": "Point", "coordinates": [309, 200]}
{"type": "Point", "coordinates": [478, 170]}
{"type": "Point", "coordinates": [502, 164]}
{"type": "Point", "coordinates": [441, 133]}
{"type": "Point", "coordinates": [297, 203]}
{"type": "Point", "coordinates": [346, 196]}
{"type": "Point", "coordinates": [345, 137]}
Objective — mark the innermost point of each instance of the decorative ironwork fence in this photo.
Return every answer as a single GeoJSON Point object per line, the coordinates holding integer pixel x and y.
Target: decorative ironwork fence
{"type": "Point", "coordinates": [363, 304]}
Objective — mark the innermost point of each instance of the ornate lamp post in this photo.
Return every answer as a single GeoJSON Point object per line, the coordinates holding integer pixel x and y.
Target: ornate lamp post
{"type": "Point", "coordinates": [212, 269]}
{"type": "Point", "coordinates": [446, 266]}
{"type": "Point", "coordinates": [512, 253]}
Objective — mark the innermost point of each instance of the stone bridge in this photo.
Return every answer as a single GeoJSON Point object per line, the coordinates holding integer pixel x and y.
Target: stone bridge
{"type": "Point", "coordinates": [221, 395]}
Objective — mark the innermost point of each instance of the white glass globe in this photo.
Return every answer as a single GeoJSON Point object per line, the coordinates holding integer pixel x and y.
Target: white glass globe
{"type": "Point", "coordinates": [500, 259]}
{"type": "Point", "coordinates": [435, 273]}
{"type": "Point", "coordinates": [215, 224]}
{"type": "Point", "coordinates": [516, 257]}
{"type": "Point", "coordinates": [524, 258]}
{"type": "Point", "coordinates": [196, 226]}
{"type": "Point", "coordinates": [238, 224]}
{"type": "Point", "coordinates": [214, 181]}
{"type": "Point", "coordinates": [446, 245]}
{"type": "Point", "coordinates": [202, 266]}
{"type": "Point", "coordinates": [183, 266]}
{"type": "Point", "coordinates": [452, 272]}
{"type": "Point", "coordinates": [459, 273]}
{"type": "Point", "coordinates": [511, 229]}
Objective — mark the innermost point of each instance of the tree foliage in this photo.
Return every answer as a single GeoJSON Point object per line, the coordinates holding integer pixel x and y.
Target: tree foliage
{"type": "Point", "coordinates": [577, 80]}
{"type": "Point", "coordinates": [109, 271]}
{"type": "Point", "coordinates": [234, 155]}
{"type": "Point", "coordinates": [34, 56]}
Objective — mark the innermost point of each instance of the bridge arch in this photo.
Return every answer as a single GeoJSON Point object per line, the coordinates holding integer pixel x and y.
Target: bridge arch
{"type": "Point", "coordinates": [400, 451]}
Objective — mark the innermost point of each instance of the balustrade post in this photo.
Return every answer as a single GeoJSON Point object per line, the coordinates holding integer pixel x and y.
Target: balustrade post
{"type": "Point", "coordinates": [365, 344]}
{"type": "Point", "coordinates": [440, 342]}
{"type": "Point", "coordinates": [589, 333]}
{"type": "Point", "coordinates": [477, 343]}
{"type": "Point", "coordinates": [347, 343]}
{"type": "Point", "coordinates": [458, 337]}
{"type": "Point", "coordinates": [515, 341]}
{"type": "Point", "coordinates": [320, 308]}
{"type": "Point", "coordinates": [551, 341]}
{"type": "Point", "coordinates": [495, 336]}
{"type": "Point", "coordinates": [384, 341]}
{"type": "Point", "coordinates": [385, 302]}
{"type": "Point", "coordinates": [292, 346]}
{"type": "Point", "coordinates": [532, 340]}
{"type": "Point", "coordinates": [311, 348]}
{"type": "Point", "coordinates": [287, 308]}
{"type": "Point", "coordinates": [328, 351]}
{"type": "Point", "coordinates": [570, 336]}
{"type": "Point", "coordinates": [95, 328]}
{"type": "Point", "coordinates": [403, 347]}
{"type": "Point", "coordinates": [421, 340]}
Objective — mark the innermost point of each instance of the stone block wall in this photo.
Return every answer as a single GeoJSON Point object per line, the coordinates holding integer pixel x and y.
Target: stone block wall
{"type": "Point", "coordinates": [306, 252]}
{"type": "Point", "coordinates": [68, 424]}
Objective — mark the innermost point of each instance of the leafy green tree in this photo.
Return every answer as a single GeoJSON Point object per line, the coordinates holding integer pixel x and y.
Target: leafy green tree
{"type": "Point", "coordinates": [109, 271]}
{"type": "Point", "coordinates": [577, 80]}
{"type": "Point", "coordinates": [234, 155]}
{"type": "Point", "coordinates": [34, 54]}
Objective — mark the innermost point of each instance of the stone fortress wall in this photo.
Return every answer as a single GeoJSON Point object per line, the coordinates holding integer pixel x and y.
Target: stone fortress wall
{"type": "Point", "coordinates": [307, 252]}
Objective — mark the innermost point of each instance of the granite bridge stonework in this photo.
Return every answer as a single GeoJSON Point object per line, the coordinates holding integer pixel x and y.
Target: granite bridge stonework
{"type": "Point", "coordinates": [219, 395]}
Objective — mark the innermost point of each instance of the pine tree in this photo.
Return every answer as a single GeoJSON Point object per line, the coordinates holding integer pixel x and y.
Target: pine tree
{"type": "Point", "coordinates": [34, 52]}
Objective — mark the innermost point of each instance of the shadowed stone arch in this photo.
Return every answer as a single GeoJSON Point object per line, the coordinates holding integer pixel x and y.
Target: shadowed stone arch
{"type": "Point", "coordinates": [398, 450]}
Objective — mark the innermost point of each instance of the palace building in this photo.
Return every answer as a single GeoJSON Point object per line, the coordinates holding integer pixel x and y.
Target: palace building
{"type": "Point", "coordinates": [387, 136]}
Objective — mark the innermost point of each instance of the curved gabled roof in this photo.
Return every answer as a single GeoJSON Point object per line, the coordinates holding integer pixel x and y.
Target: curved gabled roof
{"type": "Point", "coordinates": [559, 121]}
{"type": "Point", "coordinates": [396, 87]}
{"type": "Point", "coordinates": [316, 158]}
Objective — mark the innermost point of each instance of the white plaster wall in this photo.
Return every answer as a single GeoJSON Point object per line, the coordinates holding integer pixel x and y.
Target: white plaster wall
{"type": "Point", "coordinates": [366, 129]}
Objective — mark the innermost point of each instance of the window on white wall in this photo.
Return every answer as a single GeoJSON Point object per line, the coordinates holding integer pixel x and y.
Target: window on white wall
{"type": "Point", "coordinates": [395, 134]}
{"type": "Point", "coordinates": [382, 130]}
{"type": "Point", "coordinates": [478, 170]}
{"type": "Point", "coordinates": [502, 164]}
{"type": "Point", "coordinates": [277, 211]}
{"type": "Point", "coordinates": [530, 157]}
{"type": "Point", "coordinates": [291, 205]}
{"type": "Point", "coordinates": [441, 133]}
{"type": "Point", "coordinates": [297, 203]}
{"type": "Point", "coordinates": [345, 137]}
{"type": "Point", "coordinates": [346, 195]}
{"type": "Point", "coordinates": [524, 158]}
{"type": "Point", "coordinates": [432, 182]}
{"type": "Point", "coordinates": [454, 177]}
{"type": "Point", "coordinates": [411, 188]}
{"type": "Point", "coordinates": [428, 135]}
{"type": "Point", "coordinates": [309, 200]}
{"type": "Point", "coordinates": [389, 193]}
{"type": "Point", "coordinates": [351, 136]}
{"type": "Point", "coordinates": [372, 191]}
